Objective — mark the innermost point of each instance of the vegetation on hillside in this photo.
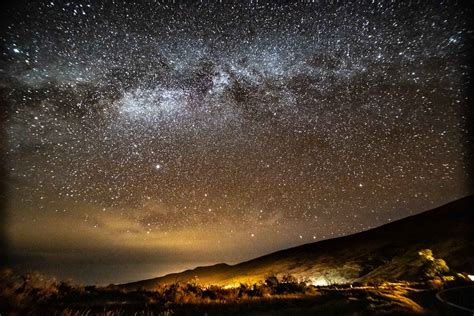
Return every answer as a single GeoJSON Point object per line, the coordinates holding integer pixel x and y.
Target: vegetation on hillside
{"type": "Point", "coordinates": [33, 294]}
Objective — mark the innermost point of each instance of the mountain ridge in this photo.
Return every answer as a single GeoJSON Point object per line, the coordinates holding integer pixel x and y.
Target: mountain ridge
{"type": "Point", "coordinates": [387, 251]}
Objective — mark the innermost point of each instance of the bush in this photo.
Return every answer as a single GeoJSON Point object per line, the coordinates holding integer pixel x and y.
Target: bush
{"type": "Point", "coordinates": [287, 284]}
{"type": "Point", "coordinates": [432, 267]}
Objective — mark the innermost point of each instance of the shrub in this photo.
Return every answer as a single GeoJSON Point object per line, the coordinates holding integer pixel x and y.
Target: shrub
{"type": "Point", "coordinates": [287, 284]}
{"type": "Point", "coordinates": [432, 267]}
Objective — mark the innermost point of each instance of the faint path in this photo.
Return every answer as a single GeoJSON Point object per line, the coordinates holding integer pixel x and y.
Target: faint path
{"type": "Point", "coordinates": [464, 296]}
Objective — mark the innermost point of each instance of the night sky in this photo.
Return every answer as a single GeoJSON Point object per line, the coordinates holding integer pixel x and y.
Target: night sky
{"type": "Point", "coordinates": [143, 139]}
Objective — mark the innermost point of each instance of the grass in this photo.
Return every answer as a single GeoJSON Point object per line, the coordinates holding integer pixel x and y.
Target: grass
{"type": "Point", "coordinates": [36, 295]}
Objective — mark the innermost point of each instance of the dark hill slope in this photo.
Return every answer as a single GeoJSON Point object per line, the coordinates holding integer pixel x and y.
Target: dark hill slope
{"type": "Point", "coordinates": [388, 252]}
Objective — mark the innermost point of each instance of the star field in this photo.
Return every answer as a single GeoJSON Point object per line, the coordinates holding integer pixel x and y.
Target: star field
{"type": "Point", "coordinates": [213, 132]}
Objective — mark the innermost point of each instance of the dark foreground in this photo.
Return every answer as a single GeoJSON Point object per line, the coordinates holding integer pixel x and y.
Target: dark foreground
{"type": "Point", "coordinates": [33, 295]}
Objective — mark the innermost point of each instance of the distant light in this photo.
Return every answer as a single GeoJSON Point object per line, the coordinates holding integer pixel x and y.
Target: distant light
{"type": "Point", "coordinates": [16, 50]}
{"type": "Point", "coordinates": [319, 282]}
{"type": "Point", "coordinates": [158, 167]}
{"type": "Point", "coordinates": [471, 277]}
{"type": "Point", "coordinates": [252, 235]}
{"type": "Point", "coordinates": [360, 185]}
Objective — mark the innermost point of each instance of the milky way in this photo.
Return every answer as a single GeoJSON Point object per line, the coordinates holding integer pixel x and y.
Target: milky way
{"type": "Point", "coordinates": [172, 135]}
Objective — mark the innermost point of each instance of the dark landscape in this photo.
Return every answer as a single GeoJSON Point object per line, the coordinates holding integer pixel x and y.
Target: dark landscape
{"type": "Point", "coordinates": [370, 256]}
{"type": "Point", "coordinates": [366, 273]}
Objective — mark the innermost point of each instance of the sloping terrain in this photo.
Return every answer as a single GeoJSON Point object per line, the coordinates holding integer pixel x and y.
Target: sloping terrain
{"type": "Point", "coordinates": [387, 252]}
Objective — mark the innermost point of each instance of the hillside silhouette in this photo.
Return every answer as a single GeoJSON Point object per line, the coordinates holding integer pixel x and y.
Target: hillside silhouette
{"type": "Point", "coordinates": [387, 252]}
